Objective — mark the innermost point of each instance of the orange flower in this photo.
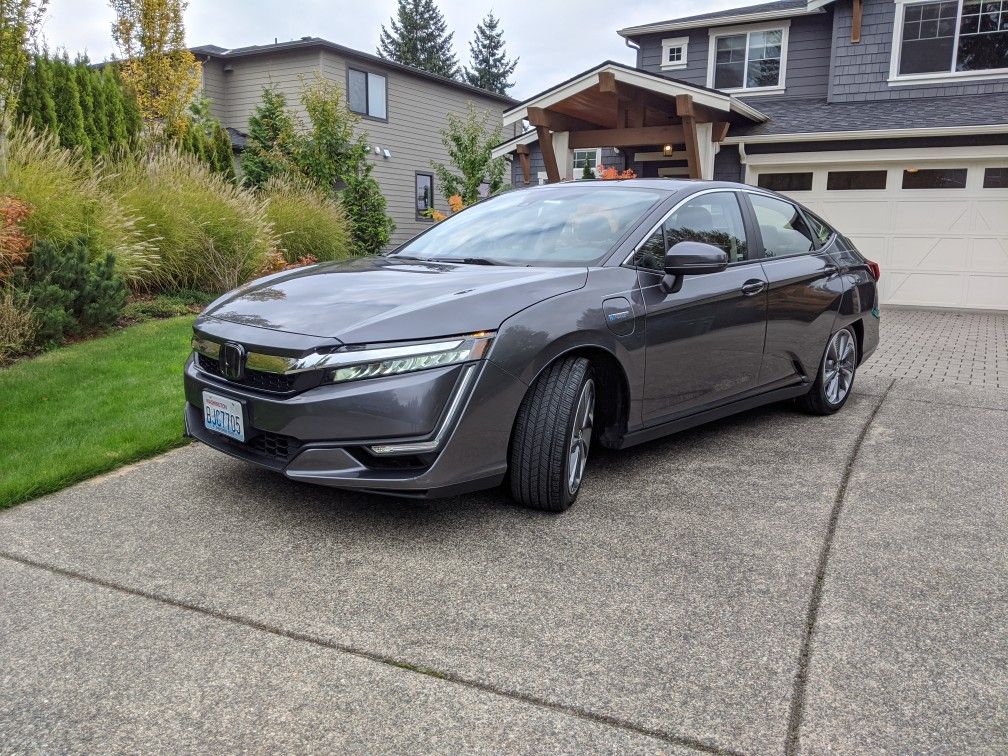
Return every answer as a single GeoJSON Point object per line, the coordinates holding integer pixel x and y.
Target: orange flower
{"type": "Point", "coordinates": [437, 215]}
{"type": "Point", "coordinates": [455, 203]}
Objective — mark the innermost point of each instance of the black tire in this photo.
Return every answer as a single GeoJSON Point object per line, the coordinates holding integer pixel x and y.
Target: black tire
{"type": "Point", "coordinates": [817, 401]}
{"type": "Point", "coordinates": [540, 459]}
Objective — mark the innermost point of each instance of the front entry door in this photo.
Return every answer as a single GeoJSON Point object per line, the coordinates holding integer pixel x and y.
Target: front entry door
{"type": "Point", "coordinates": [704, 342]}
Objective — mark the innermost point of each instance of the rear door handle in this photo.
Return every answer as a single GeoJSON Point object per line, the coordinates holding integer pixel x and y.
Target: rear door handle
{"type": "Point", "coordinates": [753, 286]}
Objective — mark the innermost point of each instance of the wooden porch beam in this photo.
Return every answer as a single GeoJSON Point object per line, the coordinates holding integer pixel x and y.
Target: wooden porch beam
{"type": "Point", "coordinates": [549, 156]}
{"type": "Point", "coordinates": [684, 106]}
{"type": "Point", "coordinates": [557, 121]}
{"type": "Point", "coordinates": [526, 165]}
{"type": "Point", "coordinates": [719, 131]}
{"type": "Point", "coordinates": [629, 137]}
{"type": "Point", "coordinates": [855, 30]}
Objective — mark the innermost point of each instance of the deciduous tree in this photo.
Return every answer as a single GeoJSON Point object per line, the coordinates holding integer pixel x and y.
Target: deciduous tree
{"type": "Point", "coordinates": [469, 144]}
{"type": "Point", "coordinates": [157, 67]}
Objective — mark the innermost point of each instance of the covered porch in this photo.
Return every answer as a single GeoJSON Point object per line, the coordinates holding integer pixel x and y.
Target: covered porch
{"type": "Point", "coordinates": [658, 125]}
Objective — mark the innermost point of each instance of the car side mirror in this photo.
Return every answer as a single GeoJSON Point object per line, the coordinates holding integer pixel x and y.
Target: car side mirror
{"type": "Point", "coordinates": [690, 258]}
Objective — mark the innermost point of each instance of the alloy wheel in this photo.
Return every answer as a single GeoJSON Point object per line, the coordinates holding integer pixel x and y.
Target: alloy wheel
{"type": "Point", "coordinates": [838, 366]}
{"type": "Point", "coordinates": [577, 454]}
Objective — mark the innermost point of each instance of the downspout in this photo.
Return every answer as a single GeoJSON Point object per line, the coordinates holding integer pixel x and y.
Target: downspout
{"type": "Point", "coordinates": [636, 48]}
{"type": "Point", "coordinates": [742, 161]}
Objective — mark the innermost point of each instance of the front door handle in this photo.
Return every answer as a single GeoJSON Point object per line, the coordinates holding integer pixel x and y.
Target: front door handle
{"type": "Point", "coordinates": [753, 286]}
{"type": "Point", "coordinates": [830, 270]}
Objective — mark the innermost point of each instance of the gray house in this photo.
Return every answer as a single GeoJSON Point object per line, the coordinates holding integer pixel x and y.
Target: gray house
{"type": "Point", "coordinates": [402, 109]}
{"type": "Point", "coordinates": [888, 117]}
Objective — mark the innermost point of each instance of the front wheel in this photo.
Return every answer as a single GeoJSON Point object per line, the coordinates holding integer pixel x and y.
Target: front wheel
{"type": "Point", "coordinates": [552, 436]}
{"type": "Point", "coordinates": [836, 375]}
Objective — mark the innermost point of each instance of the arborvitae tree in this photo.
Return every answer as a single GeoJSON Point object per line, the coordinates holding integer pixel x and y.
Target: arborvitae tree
{"type": "Point", "coordinates": [272, 140]}
{"type": "Point", "coordinates": [45, 86]}
{"type": "Point", "coordinates": [69, 114]}
{"type": "Point", "coordinates": [418, 36]}
{"type": "Point", "coordinates": [223, 155]}
{"type": "Point", "coordinates": [115, 116]}
{"type": "Point", "coordinates": [491, 68]}
{"type": "Point", "coordinates": [131, 111]}
{"type": "Point", "coordinates": [82, 76]}
{"type": "Point", "coordinates": [28, 106]}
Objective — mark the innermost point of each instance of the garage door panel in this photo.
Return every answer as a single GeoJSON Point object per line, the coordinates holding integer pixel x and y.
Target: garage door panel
{"type": "Point", "coordinates": [989, 255]}
{"type": "Point", "coordinates": [865, 216]}
{"type": "Point", "coordinates": [992, 216]}
{"type": "Point", "coordinates": [873, 247]}
{"type": "Point", "coordinates": [930, 254]}
{"type": "Point", "coordinates": [936, 289]}
{"type": "Point", "coordinates": [932, 215]}
{"type": "Point", "coordinates": [988, 291]}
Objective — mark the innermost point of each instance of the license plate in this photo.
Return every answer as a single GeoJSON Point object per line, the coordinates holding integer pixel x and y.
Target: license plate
{"type": "Point", "coordinates": [223, 415]}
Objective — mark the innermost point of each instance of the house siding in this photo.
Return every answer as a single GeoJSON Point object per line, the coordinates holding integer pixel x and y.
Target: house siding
{"type": "Point", "coordinates": [861, 69]}
{"type": "Point", "coordinates": [727, 164]}
{"type": "Point", "coordinates": [417, 110]}
{"type": "Point", "coordinates": [611, 158]}
{"type": "Point", "coordinates": [808, 63]}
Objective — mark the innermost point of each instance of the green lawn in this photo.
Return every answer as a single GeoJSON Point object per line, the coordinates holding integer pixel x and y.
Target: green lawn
{"type": "Point", "coordinates": [90, 407]}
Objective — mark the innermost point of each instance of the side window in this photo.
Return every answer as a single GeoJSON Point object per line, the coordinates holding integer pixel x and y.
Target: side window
{"type": "Point", "coordinates": [822, 231]}
{"type": "Point", "coordinates": [713, 218]}
{"type": "Point", "coordinates": [782, 227]}
{"type": "Point", "coordinates": [651, 253]}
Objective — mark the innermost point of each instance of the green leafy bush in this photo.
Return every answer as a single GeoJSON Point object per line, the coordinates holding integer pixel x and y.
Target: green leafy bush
{"type": "Point", "coordinates": [18, 328]}
{"type": "Point", "coordinates": [67, 293]}
{"type": "Point", "coordinates": [209, 234]}
{"type": "Point", "coordinates": [158, 306]}
{"type": "Point", "coordinates": [366, 206]}
{"type": "Point", "coordinates": [70, 202]}
{"type": "Point", "coordinates": [307, 223]}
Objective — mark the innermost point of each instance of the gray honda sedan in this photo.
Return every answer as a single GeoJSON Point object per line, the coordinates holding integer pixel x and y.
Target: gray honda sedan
{"type": "Point", "coordinates": [504, 343]}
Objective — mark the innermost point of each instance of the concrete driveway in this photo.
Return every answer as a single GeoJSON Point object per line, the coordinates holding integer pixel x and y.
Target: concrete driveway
{"type": "Point", "coordinates": [773, 582]}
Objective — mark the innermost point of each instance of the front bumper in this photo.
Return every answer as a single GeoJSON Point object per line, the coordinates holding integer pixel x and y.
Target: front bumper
{"type": "Point", "coordinates": [322, 435]}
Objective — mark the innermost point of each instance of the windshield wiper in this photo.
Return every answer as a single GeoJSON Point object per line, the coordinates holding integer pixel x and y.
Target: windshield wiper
{"type": "Point", "coordinates": [466, 260]}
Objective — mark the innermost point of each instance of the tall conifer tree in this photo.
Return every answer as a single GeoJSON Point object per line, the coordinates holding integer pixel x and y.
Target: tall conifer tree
{"type": "Point", "coordinates": [491, 68]}
{"type": "Point", "coordinates": [418, 36]}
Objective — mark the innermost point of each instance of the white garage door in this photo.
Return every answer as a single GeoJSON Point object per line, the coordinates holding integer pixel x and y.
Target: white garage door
{"type": "Point", "coordinates": [938, 229]}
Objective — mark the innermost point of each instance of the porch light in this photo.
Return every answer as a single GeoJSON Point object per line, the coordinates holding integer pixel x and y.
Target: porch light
{"type": "Point", "coordinates": [667, 150]}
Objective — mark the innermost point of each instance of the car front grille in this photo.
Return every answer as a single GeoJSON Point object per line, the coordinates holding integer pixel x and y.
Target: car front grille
{"type": "Point", "coordinates": [255, 379]}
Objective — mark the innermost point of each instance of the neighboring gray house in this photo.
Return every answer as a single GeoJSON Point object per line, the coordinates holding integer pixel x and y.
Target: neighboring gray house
{"type": "Point", "coordinates": [888, 117]}
{"type": "Point", "coordinates": [403, 110]}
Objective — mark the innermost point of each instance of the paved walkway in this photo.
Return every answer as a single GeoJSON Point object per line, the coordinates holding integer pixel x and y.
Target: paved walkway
{"type": "Point", "coordinates": [770, 583]}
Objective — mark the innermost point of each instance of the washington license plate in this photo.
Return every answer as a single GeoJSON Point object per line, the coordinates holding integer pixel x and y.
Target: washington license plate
{"type": "Point", "coordinates": [223, 415]}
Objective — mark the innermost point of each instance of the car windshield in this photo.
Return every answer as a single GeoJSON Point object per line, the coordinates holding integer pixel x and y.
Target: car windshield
{"type": "Point", "coordinates": [566, 225]}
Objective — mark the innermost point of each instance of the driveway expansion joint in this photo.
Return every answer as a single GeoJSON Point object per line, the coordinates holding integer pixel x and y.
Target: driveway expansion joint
{"type": "Point", "coordinates": [573, 711]}
{"type": "Point", "coordinates": [805, 655]}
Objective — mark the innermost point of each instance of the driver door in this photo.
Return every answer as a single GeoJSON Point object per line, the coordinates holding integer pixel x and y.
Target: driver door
{"type": "Point", "coordinates": [704, 342]}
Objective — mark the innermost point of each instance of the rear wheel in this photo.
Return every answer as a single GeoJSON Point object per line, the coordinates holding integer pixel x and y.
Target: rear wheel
{"type": "Point", "coordinates": [836, 375]}
{"type": "Point", "coordinates": [552, 436]}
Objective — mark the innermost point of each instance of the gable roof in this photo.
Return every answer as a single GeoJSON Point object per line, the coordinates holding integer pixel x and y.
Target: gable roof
{"type": "Point", "coordinates": [706, 96]}
{"type": "Point", "coordinates": [317, 43]}
{"type": "Point", "coordinates": [748, 13]}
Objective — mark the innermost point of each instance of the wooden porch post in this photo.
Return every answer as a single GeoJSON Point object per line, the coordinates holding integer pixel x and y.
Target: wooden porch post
{"type": "Point", "coordinates": [526, 166]}
{"type": "Point", "coordinates": [549, 156]}
{"type": "Point", "coordinates": [684, 109]}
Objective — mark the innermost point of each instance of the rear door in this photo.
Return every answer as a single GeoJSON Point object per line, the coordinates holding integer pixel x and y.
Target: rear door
{"type": "Point", "coordinates": [704, 342]}
{"type": "Point", "coordinates": [805, 290]}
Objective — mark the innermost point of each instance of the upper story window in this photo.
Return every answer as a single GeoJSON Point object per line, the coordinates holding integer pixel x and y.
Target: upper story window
{"type": "Point", "coordinates": [366, 93]}
{"type": "Point", "coordinates": [951, 38]}
{"type": "Point", "coordinates": [674, 53]}
{"type": "Point", "coordinates": [748, 59]}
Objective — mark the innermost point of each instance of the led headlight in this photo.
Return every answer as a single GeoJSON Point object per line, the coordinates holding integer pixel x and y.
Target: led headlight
{"type": "Point", "coordinates": [408, 358]}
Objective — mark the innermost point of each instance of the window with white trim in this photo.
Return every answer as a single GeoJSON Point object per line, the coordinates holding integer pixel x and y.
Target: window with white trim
{"type": "Point", "coordinates": [674, 53]}
{"type": "Point", "coordinates": [582, 158]}
{"type": "Point", "coordinates": [950, 37]}
{"type": "Point", "coordinates": [748, 58]}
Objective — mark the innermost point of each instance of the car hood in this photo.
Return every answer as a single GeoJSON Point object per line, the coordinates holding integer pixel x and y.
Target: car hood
{"type": "Point", "coordinates": [375, 299]}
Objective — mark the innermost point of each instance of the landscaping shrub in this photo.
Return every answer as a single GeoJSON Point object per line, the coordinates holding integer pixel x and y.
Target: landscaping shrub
{"type": "Point", "coordinates": [18, 328]}
{"type": "Point", "coordinates": [70, 203]}
{"type": "Point", "coordinates": [14, 242]}
{"type": "Point", "coordinates": [210, 234]}
{"type": "Point", "coordinates": [67, 293]}
{"type": "Point", "coordinates": [365, 204]}
{"type": "Point", "coordinates": [183, 302]}
{"type": "Point", "coordinates": [308, 224]}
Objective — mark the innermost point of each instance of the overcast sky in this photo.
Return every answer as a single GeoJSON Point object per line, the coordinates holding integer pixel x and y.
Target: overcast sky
{"type": "Point", "coordinates": [554, 39]}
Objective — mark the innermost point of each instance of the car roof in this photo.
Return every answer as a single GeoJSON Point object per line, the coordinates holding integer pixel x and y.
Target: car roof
{"type": "Point", "coordinates": [664, 184]}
